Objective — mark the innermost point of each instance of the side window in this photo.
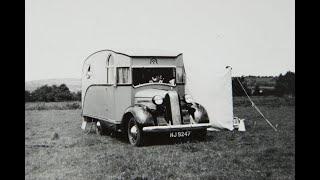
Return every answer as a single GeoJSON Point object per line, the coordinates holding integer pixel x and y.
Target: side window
{"type": "Point", "coordinates": [180, 75]}
{"type": "Point", "coordinates": [110, 69]}
{"type": "Point", "coordinates": [123, 75]}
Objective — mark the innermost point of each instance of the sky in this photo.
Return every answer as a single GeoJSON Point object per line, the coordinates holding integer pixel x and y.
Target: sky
{"type": "Point", "coordinates": [255, 37]}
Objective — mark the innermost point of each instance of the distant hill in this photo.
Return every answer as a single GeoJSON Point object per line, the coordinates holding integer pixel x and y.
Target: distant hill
{"type": "Point", "coordinates": [73, 84]}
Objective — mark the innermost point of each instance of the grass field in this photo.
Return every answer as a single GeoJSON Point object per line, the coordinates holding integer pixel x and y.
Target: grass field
{"type": "Point", "coordinates": [258, 153]}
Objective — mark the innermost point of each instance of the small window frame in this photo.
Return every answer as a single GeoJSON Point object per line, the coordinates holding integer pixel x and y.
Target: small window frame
{"type": "Point", "coordinates": [129, 80]}
{"type": "Point", "coordinates": [110, 77]}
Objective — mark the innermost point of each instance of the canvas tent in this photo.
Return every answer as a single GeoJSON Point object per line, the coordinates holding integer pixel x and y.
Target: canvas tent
{"type": "Point", "coordinates": [214, 92]}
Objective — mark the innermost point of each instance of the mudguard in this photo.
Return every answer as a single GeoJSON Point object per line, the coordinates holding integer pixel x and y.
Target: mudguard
{"type": "Point", "coordinates": [200, 114]}
{"type": "Point", "coordinates": [141, 114]}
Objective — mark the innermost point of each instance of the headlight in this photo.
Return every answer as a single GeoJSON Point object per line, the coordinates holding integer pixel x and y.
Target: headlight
{"type": "Point", "coordinates": [188, 98]}
{"type": "Point", "coordinates": [157, 100]}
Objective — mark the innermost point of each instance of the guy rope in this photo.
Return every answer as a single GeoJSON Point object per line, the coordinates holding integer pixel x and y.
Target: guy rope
{"type": "Point", "coordinates": [253, 105]}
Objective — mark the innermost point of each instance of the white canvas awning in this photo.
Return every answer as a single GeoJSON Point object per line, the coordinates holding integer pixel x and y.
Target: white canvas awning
{"type": "Point", "coordinates": [214, 92]}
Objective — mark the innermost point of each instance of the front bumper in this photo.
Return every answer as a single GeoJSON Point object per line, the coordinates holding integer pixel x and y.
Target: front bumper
{"type": "Point", "coordinates": [170, 128]}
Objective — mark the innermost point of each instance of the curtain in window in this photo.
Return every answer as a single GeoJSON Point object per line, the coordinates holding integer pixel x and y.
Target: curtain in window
{"type": "Point", "coordinates": [123, 75]}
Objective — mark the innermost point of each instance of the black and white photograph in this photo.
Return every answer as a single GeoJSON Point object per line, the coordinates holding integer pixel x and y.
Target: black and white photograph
{"type": "Point", "coordinates": [150, 89]}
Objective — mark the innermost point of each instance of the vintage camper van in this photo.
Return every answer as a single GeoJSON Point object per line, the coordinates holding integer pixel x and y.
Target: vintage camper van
{"type": "Point", "coordinates": [139, 93]}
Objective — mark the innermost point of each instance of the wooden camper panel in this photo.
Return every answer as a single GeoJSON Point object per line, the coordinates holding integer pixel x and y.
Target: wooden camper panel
{"type": "Point", "coordinates": [98, 74]}
{"type": "Point", "coordinates": [97, 95]}
{"type": "Point", "coordinates": [99, 70]}
{"type": "Point", "coordinates": [179, 61]}
{"type": "Point", "coordinates": [153, 61]}
{"type": "Point", "coordinates": [123, 99]}
{"type": "Point", "coordinates": [99, 102]}
{"type": "Point", "coordinates": [110, 103]}
{"type": "Point", "coordinates": [122, 60]}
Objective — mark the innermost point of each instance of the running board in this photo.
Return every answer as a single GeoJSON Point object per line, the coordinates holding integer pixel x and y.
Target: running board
{"type": "Point", "coordinates": [181, 127]}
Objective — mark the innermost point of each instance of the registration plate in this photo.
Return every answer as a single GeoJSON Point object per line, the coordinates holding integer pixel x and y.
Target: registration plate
{"type": "Point", "coordinates": [180, 134]}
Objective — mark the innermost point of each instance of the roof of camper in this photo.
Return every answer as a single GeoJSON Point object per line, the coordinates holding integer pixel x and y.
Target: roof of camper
{"type": "Point", "coordinates": [144, 52]}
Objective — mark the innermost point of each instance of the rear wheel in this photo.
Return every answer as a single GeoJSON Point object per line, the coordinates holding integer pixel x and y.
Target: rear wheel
{"type": "Point", "coordinates": [134, 132]}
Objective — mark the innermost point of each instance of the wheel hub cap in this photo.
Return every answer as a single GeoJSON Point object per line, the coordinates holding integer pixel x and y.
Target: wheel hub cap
{"type": "Point", "coordinates": [133, 130]}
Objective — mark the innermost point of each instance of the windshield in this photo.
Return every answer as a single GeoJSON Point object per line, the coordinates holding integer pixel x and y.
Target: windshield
{"type": "Point", "coordinates": [153, 75]}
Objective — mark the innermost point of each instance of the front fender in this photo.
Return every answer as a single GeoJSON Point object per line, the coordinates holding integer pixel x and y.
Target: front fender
{"type": "Point", "coordinates": [141, 114]}
{"type": "Point", "coordinates": [200, 114]}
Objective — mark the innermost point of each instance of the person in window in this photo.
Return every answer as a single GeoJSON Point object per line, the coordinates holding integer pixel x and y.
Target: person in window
{"type": "Point", "coordinates": [161, 79]}
{"type": "Point", "coordinates": [156, 79]}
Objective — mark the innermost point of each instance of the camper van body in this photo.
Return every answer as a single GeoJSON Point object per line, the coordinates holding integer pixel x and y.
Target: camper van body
{"type": "Point", "coordinates": [118, 93]}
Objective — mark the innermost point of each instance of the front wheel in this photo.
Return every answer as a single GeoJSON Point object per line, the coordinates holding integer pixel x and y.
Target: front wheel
{"type": "Point", "coordinates": [134, 132]}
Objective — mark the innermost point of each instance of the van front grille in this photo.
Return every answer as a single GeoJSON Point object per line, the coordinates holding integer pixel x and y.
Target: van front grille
{"type": "Point", "coordinates": [185, 116]}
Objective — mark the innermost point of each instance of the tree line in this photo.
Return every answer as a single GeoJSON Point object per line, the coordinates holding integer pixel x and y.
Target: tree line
{"type": "Point", "coordinates": [285, 86]}
{"type": "Point", "coordinates": [52, 93]}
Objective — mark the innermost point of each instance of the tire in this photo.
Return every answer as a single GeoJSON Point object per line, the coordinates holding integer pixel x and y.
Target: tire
{"type": "Point", "coordinates": [135, 135]}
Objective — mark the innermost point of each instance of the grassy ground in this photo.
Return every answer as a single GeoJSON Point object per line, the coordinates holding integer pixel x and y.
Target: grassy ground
{"type": "Point", "coordinates": [258, 153]}
{"type": "Point", "coordinates": [52, 105]}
